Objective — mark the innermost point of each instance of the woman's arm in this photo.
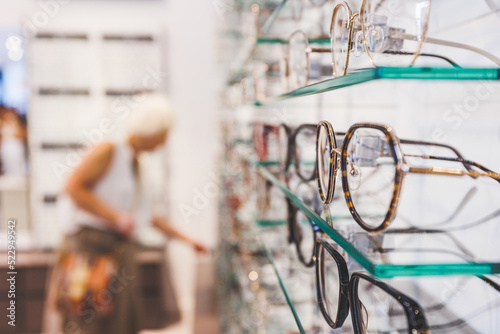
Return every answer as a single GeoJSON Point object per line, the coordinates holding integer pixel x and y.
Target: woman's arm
{"type": "Point", "coordinates": [167, 228]}
{"type": "Point", "coordinates": [80, 188]}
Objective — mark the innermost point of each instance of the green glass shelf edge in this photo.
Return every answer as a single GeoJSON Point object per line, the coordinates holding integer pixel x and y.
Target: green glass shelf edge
{"type": "Point", "coordinates": [406, 73]}
{"type": "Point", "coordinates": [266, 163]}
{"type": "Point", "coordinates": [270, 163]}
{"type": "Point", "coordinates": [283, 288]}
{"type": "Point", "coordinates": [384, 270]}
{"type": "Point", "coordinates": [270, 223]}
{"type": "Point", "coordinates": [277, 40]}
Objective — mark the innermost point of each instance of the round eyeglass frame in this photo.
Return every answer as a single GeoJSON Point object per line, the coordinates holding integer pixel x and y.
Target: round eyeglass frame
{"type": "Point", "coordinates": [361, 16]}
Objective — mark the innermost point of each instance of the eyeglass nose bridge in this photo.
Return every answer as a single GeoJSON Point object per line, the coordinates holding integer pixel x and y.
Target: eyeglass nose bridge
{"type": "Point", "coordinates": [338, 153]}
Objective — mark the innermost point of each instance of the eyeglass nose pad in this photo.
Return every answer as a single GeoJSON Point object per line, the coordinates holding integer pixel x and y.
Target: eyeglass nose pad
{"type": "Point", "coordinates": [359, 47]}
{"type": "Point", "coordinates": [376, 38]}
{"type": "Point", "coordinates": [337, 168]}
{"type": "Point", "coordinates": [354, 176]}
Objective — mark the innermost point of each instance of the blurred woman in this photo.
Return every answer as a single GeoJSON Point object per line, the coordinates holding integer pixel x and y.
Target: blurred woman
{"type": "Point", "coordinates": [107, 195]}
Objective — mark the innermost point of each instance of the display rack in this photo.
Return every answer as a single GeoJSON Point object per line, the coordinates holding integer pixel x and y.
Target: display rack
{"type": "Point", "coordinates": [445, 263]}
{"type": "Point", "coordinates": [283, 288]}
{"type": "Point", "coordinates": [246, 53]}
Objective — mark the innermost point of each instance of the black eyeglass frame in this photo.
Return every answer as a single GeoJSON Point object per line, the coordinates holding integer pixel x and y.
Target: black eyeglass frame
{"type": "Point", "coordinates": [348, 294]}
{"type": "Point", "coordinates": [294, 232]}
{"type": "Point", "coordinates": [291, 150]}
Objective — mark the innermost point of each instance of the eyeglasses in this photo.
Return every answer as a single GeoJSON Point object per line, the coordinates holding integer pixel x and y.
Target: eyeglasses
{"type": "Point", "coordinates": [295, 145]}
{"type": "Point", "coordinates": [383, 29]}
{"type": "Point", "coordinates": [295, 65]}
{"type": "Point", "coordinates": [302, 231]}
{"type": "Point", "coordinates": [372, 162]}
{"type": "Point", "coordinates": [375, 306]}
{"type": "Point", "coordinates": [432, 310]}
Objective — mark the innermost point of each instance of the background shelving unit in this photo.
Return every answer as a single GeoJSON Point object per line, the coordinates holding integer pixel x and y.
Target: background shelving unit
{"type": "Point", "coordinates": [81, 83]}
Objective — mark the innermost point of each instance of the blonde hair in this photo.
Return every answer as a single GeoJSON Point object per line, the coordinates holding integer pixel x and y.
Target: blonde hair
{"type": "Point", "coordinates": [152, 114]}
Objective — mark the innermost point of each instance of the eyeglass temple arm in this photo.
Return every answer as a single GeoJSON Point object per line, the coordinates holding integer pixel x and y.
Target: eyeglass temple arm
{"type": "Point", "coordinates": [319, 50]}
{"type": "Point", "coordinates": [436, 41]}
{"type": "Point", "coordinates": [449, 171]}
{"type": "Point", "coordinates": [444, 171]}
{"type": "Point", "coordinates": [425, 143]}
{"type": "Point", "coordinates": [448, 60]}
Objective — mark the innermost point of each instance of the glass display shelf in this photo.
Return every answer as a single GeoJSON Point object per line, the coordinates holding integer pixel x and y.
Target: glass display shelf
{"type": "Point", "coordinates": [266, 163]}
{"type": "Point", "coordinates": [270, 223]}
{"type": "Point", "coordinates": [274, 15]}
{"type": "Point", "coordinates": [285, 293]}
{"type": "Point", "coordinates": [432, 261]}
{"type": "Point", "coordinates": [395, 73]}
{"type": "Point", "coordinates": [271, 40]}
{"type": "Point", "coordinates": [249, 50]}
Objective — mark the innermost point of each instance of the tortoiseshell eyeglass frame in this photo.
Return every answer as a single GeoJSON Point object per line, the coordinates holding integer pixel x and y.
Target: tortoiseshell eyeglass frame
{"type": "Point", "coordinates": [401, 168]}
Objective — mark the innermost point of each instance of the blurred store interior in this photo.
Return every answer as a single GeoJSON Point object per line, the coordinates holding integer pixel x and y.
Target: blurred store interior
{"type": "Point", "coordinates": [234, 71]}
{"type": "Point", "coordinates": [64, 66]}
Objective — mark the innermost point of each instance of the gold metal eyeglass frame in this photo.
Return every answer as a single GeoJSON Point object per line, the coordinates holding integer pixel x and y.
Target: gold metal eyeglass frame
{"type": "Point", "coordinates": [423, 38]}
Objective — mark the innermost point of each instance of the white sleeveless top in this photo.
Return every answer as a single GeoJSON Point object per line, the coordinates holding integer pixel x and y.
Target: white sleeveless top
{"type": "Point", "coordinates": [118, 188]}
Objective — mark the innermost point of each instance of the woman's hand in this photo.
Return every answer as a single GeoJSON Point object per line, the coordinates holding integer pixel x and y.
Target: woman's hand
{"type": "Point", "coordinates": [124, 223]}
{"type": "Point", "coordinates": [199, 247]}
{"type": "Point", "coordinates": [163, 225]}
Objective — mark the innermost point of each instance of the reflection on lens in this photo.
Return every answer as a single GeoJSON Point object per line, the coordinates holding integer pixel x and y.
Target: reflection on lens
{"type": "Point", "coordinates": [299, 61]}
{"type": "Point", "coordinates": [394, 30]}
{"type": "Point", "coordinates": [371, 172]}
{"type": "Point", "coordinates": [379, 311]}
{"type": "Point", "coordinates": [323, 155]}
{"type": "Point", "coordinates": [339, 37]}
{"type": "Point", "coordinates": [330, 287]}
{"type": "Point", "coordinates": [305, 141]}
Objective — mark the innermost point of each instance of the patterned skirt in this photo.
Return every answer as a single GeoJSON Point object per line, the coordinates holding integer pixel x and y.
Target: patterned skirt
{"type": "Point", "coordinates": [95, 283]}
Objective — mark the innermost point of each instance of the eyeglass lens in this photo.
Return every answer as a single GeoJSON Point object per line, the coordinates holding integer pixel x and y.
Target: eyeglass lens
{"type": "Point", "coordinates": [324, 163]}
{"type": "Point", "coordinates": [392, 26]}
{"type": "Point", "coordinates": [379, 311]}
{"type": "Point", "coordinates": [298, 62]}
{"type": "Point", "coordinates": [339, 36]}
{"type": "Point", "coordinates": [329, 284]}
{"type": "Point", "coordinates": [371, 173]}
{"type": "Point", "coordinates": [305, 141]}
